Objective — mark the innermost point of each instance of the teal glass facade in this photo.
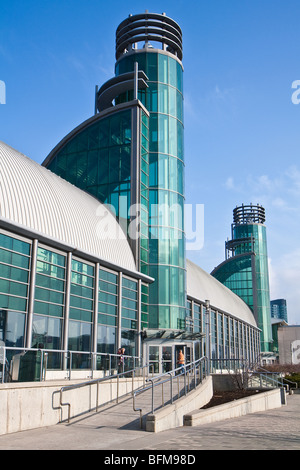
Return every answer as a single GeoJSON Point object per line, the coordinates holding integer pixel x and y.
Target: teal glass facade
{"type": "Point", "coordinates": [78, 305]}
{"type": "Point", "coordinates": [261, 278]}
{"type": "Point", "coordinates": [99, 158]}
{"type": "Point", "coordinates": [236, 274]}
{"type": "Point", "coordinates": [15, 262]}
{"type": "Point", "coordinates": [246, 271]}
{"type": "Point", "coordinates": [164, 100]}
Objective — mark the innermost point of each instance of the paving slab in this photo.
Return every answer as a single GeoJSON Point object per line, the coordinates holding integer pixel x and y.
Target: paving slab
{"type": "Point", "coordinates": [117, 428]}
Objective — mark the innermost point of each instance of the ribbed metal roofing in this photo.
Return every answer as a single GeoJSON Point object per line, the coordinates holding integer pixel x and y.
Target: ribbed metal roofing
{"type": "Point", "coordinates": [203, 286]}
{"type": "Point", "coordinates": [39, 200]}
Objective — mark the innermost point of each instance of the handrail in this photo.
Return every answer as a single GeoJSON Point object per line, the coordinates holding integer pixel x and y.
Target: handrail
{"type": "Point", "coordinates": [279, 384]}
{"type": "Point", "coordinates": [68, 355]}
{"type": "Point", "coordinates": [162, 378]}
{"type": "Point", "coordinates": [97, 382]}
{"type": "Point", "coordinates": [274, 372]}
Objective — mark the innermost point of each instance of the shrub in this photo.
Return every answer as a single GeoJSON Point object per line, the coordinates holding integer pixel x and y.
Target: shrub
{"type": "Point", "coordinates": [294, 377]}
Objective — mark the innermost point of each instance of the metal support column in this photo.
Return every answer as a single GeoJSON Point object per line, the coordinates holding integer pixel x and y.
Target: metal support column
{"type": "Point", "coordinates": [31, 293]}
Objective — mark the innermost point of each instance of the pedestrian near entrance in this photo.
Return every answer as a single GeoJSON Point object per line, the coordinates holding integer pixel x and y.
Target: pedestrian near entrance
{"type": "Point", "coordinates": [180, 360]}
{"type": "Point", "coordinates": [121, 352]}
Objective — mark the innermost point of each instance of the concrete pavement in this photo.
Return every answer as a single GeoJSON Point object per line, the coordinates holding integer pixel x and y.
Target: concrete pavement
{"type": "Point", "coordinates": [117, 428]}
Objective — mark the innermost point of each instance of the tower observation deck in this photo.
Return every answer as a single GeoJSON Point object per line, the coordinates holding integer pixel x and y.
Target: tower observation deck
{"type": "Point", "coordinates": [147, 27]}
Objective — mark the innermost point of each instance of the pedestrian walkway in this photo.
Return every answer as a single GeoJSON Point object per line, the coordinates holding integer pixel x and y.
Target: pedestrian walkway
{"type": "Point", "coordinates": [117, 428]}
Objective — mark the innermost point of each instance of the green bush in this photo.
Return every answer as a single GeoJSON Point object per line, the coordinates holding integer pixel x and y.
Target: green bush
{"type": "Point", "coordinates": [294, 377]}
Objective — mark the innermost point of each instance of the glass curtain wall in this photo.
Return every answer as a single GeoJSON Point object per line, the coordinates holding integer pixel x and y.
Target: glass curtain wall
{"type": "Point", "coordinates": [236, 274]}
{"type": "Point", "coordinates": [15, 265]}
{"type": "Point", "coordinates": [93, 318]}
{"type": "Point", "coordinates": [261, 272]}
{"type": "Point", "coordinates": [107, 312]}
{"type": "Point", "coordinates": [164, 100]}
{"type": "Point", "coordinates": [129, 316]}
{"type": "Point", "coordinates": [98, 160]}
{"type": "Point", "coordinates": [81, 311]}
{"type": "Point", "coordinates": [229, 338]}
{"type": "Point", "coordinates": [49, 303]}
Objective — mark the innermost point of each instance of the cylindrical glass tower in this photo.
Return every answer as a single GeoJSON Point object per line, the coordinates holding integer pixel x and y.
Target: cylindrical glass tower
{"type": "Point", "coordinates": [137, 40]}
{"type": "Point", "coordinates": [249, 223]}
{"type": "Point", "coordinates": [246, 270]}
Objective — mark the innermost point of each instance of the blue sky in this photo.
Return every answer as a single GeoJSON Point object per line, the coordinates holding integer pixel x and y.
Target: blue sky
{"type": "Point", "coordinates": [241, 127]}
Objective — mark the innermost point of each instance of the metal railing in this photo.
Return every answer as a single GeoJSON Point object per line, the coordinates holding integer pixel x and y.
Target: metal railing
{"type": "Point", "coordinates": [281, 378]}
{"type": "Point", "coordinates": [187, 378]}
{"type": "Point", "coordinates": [44, 360]}
{"type": "Point", "coordinates": [134, 373]}
{"type": "Point", "coordinates": [251, 374]}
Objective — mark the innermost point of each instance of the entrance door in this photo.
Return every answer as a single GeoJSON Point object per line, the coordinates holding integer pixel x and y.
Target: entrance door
{"type": "Point", "coordinates": [164, 358]}
{"type": "Point", "coordinates": [161, 358]}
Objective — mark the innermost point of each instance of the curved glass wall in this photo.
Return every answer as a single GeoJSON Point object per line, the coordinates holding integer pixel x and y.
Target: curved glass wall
{"type": "Point", "coordinates": [98, 160]}
{"type": "Point", "coordinates": [236, 274]}
{"type": "Point", "coordinates": [164, 100]}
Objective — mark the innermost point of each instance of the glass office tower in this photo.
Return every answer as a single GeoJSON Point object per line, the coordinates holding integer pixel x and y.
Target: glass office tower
{"type": "Point", "coordinates": [131, 153]}
{"type": "Point", "coordinates": [163, 98]}
{"type": "Point", "coordinates": [279, 309]}
{"type": "Point", "coordinates": [245, 270]}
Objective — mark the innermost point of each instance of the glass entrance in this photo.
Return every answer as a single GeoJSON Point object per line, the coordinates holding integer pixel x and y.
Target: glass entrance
{"type": "Point", "coordinates": [164, 358]}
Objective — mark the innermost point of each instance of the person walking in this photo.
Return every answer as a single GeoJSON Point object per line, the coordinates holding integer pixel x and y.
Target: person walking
{"type": "Point", "coordinates": [121, 352]}
{"type": "Point", "coordinates": [180, 360]}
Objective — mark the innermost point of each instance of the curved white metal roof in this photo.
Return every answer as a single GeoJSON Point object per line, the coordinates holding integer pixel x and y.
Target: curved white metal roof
{"type": "Point", "coordinates": [39, 200]}
{"type": "Point", "coordinates": [203, 286]}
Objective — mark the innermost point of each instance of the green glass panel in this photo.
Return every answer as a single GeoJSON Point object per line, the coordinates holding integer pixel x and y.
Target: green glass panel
{"type": "Point", "coordinates": [106, 287]}
{"type": "Point", "coordinates": [179, 77]}
{"type": "Point", "coordinates": [109, 298]}
{"type": "Point", "coordinates": [163, 130]}
{"type": "Point", "coordinates": [51, 257]}
{"type": "Point", "coordinates": [50, 283]}
{"type": "Point", "coordinates": [129, 284]}
{"type": "Point", "coordinates": [131, 324]}
{"type": "Point", "coordinates": [172, 72]}
{"type": "Point", "coordinates": [153, 97]}
{"type": "Point", "coordinates": [107, 276]}
{"type": "Point", "coordinates": [107, 320]}
{"type": "Point", "coordinates": [107, 308]}
{"type": "Point", "coordinates": [151, 66]}
{"type": "Point", "coordinates": [162, 68]}
{"type": "Point", "coordinates": [14, 244]}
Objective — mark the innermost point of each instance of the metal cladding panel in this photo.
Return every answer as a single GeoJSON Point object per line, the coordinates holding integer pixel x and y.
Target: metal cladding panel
{"type": "Point", "coordinates": [203, 286]}
{"type": "Point", "coordinates": [39, 200]}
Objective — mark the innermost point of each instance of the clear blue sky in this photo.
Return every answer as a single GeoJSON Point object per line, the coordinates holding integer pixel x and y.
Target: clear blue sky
{"type": "Point", "coordinates": [241, 128]}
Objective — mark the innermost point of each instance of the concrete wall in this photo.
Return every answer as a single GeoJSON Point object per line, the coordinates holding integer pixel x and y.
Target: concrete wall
{"type": "Point", "coordinates": [171, 416]}
{"type": "Point", "coordinates": [260, 402]}
{"type": "Point", "coordinates": [289, 344]}
{"type": "Point", "coordinates": [32, 405]}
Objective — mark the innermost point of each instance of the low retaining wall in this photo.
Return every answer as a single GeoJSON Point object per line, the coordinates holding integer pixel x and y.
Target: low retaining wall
{"type": "Point", "coordinates": [171, 416]}
{"type": "Point", "coordinates": [30, 405]}
{"type": "Point", "coordinates": [260, 402]}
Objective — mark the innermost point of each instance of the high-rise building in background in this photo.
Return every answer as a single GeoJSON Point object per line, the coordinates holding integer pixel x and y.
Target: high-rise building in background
{"type": "Point", "coordinates": [279, 309]}
{"type": "Point", "coordinates": [245, 270]}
